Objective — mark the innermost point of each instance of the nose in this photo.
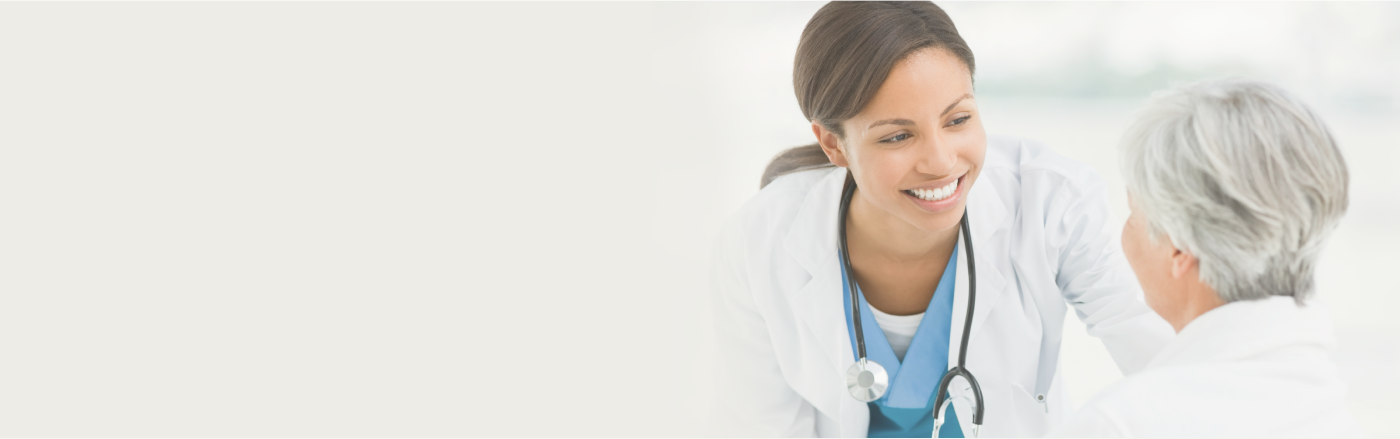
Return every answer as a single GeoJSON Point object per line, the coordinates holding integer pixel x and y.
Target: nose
{"type": "Point", "coordinates": [936, 158]}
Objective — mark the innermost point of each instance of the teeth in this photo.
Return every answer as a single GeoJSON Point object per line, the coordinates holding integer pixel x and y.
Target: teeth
{"type": "Point", "coordinates": [936, 193]}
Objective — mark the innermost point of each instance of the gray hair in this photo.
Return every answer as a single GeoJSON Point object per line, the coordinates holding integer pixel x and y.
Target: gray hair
{"type": "Point", "coordinates": [1242, 175]}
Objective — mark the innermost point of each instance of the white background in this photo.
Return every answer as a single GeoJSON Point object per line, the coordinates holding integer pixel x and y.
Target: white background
{"type": "Point", "coordinates": [486, 219]}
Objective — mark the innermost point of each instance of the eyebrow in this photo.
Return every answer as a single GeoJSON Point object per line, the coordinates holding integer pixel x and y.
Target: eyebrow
{"type": "Point", "coordinates": [891, 122]}
{"type": "Point", "coordinates": [955, 103]}
{"type": "Point", "coordinates": [907, 122]}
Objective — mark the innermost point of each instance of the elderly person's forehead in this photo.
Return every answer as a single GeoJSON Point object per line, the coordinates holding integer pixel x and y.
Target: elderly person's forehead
{"type": "Point", "coordinates": [1243, 175]}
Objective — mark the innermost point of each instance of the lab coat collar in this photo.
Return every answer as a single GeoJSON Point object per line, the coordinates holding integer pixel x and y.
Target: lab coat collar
{"type": "Point", "coordinates": [811, 241]}
{"type": "Point", "coordinates": [1246, 328]}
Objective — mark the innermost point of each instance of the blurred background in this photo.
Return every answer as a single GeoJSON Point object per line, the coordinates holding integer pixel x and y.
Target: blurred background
{"type": "Point", "coordinates": [495, 219]}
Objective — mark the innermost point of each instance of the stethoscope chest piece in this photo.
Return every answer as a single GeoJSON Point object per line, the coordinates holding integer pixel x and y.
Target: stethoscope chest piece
{"type": "Point", "coordinates": [867, 380]}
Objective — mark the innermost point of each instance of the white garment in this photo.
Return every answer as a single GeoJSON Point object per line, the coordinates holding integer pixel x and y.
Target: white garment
{"type": "Point", "coordinates": [899, 330]}
{"type": "Point", "coordinates": [1250, 368]}
{"type": "Point", "coordinates": [1044, 238]}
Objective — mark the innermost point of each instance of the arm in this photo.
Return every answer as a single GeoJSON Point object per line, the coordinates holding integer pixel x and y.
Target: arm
{"type": "Point", "coordinates": [752, 397]}
{"type": "Point", "coordinates": [1093, 276]}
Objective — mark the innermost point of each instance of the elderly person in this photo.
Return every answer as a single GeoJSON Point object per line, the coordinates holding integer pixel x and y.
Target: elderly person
{"type": "Point", "coordinates": [1234, 187]}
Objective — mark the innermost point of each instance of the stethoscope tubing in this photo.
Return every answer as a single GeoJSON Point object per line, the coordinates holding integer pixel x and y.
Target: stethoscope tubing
{"type": "Point", "coordinates": [848, 192]}
{"type": "Point", "coordinates": [961, 368]}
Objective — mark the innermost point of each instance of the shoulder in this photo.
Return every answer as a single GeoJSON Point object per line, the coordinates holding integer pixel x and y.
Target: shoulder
{"type": "Point", "coordinates": [1130, 407]}
{"type": "Point", "coordinates": [1041, 185]}
{"type": "Point", "coordinates": [1160, 383]}
{"type": "Point", "coordinates": [1030, 161]}
{"type": "Point", "coordinates": [767, 216]}
{"type": "Point", "coordinates": [1247, 398]}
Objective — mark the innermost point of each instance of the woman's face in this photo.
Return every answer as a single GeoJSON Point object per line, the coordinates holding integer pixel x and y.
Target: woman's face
{"type": "Point", "coordinates": [918, 146]}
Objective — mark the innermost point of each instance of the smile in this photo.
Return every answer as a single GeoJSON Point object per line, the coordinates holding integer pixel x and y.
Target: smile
{"type": "Point", "coordinates": [935, 194]}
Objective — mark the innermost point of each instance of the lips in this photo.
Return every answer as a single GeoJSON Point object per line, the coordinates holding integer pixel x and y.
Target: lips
{"type": "Point", "coordinates": [935, 194]}
{"type": "Point", "coordinates": [937, 199]}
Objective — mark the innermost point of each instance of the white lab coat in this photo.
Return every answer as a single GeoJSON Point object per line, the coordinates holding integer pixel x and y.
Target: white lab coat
{"type": "Point", "coordinates": [1251, 368]}
{"type": "Point", "coordinates": [1043, 236]}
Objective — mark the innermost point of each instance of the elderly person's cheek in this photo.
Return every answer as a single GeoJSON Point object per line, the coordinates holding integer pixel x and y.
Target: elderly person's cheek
{"type": "Point", "coordinates": [1132, 249]}
{"type": "Point", "coordinates": [1135, 250]}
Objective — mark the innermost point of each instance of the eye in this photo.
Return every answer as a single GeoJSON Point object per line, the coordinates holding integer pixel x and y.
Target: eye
{"type": "Point", "coordinates": [897, 138]}
{"type": "Point", "coordinates": [959, 121]}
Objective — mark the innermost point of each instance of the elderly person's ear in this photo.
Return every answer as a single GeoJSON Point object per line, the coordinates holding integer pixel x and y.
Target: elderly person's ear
{"type": "Point", "coordinates": [1183, 263]}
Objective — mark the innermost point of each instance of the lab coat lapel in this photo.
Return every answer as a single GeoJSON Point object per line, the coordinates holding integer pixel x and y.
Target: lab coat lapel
{"type": "Point", "coordinates": [822, 313]}
{"type": "Point", "coordinates": [812, 243]}
{"type": "Point", "coordinates": [811, 240]}
{"type": "Point", "coordinates": [985, 212]}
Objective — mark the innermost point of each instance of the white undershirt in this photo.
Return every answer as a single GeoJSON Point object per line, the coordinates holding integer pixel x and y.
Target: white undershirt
{"type": "Point", "coordinates": [899, 330]}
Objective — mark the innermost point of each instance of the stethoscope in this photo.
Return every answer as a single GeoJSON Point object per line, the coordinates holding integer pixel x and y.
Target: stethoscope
{"type": "Point", "coordinates": [867, 380]}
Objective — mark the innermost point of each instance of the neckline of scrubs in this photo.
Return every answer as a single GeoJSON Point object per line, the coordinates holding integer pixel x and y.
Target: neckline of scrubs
{"type": "Point", "coordinates": [906, 408]}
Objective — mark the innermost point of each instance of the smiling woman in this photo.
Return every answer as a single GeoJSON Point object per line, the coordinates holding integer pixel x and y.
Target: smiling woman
{"type": "Point", "coordinates": [870, 220]}
{"type": "Point", "coordinates": [911, 157]}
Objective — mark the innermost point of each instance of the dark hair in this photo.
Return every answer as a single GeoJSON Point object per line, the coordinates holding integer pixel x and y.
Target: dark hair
{"type": "Point", "coordinates": [844, 56]}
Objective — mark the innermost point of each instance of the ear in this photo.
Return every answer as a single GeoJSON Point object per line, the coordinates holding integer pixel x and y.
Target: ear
{"type": "Point", "coordinates": [1182, 262]}
{"type": "Point", "coordinates": [831, 145]}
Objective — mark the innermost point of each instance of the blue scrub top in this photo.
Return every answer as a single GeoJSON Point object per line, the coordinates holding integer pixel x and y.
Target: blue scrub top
{"type": "Point", "coordinates": [906, 408]}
